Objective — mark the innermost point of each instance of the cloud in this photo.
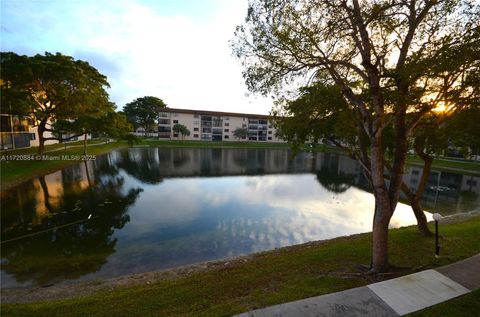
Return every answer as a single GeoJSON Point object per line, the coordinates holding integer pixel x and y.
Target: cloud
{"type": "Point", "coordinates": [147, 48]}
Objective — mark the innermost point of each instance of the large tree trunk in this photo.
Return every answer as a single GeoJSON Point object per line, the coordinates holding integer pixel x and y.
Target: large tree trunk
{"type": "Point", "coordinates": [383, 210]}
{"type": "Point", "coordinates": [41, 139]}
{"type": "Point", "coordinates": [381, 220]}
{"type": "Point", "coordinates": [85, 144]}
{"type": "Point", "coordinates": [415, 199]}
{"type": "Point", "coordinates": [421, 218]}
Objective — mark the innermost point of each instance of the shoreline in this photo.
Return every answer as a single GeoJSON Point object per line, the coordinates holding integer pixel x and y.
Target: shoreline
{"type": "Point", "coordinates": [73, 290]}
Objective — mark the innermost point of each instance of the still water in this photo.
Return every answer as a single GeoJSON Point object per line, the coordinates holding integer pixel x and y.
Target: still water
{"type": "Point", "coordinates": [144, 209]}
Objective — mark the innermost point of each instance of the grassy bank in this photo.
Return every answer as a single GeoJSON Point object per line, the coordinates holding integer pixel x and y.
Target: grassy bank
{"type": "Point", "coordinates": [234, 145]}
{"type": "Point", "coordinates": [266, 278]}
{"type": "Point", "coordinates": [449, 164]}
{"type": "Point", "coordinates": [15, 172]}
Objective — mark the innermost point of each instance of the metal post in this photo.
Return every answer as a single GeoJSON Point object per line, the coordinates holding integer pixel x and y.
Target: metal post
{"type": "Point", "coordinates": [436, 217]}
{"type": "Point", "coordinates": [11, 129]}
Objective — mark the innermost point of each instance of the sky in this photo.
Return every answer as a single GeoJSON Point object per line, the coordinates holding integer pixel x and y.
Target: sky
{"type": "Point", "coordinates": [176, 50]}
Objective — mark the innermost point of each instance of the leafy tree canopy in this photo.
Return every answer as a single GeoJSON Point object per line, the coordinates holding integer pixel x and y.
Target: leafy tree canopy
{"type": "Point", "coordinates": [143, 112]}
{"type": "Point", "coordinates": [240, 133]}
{"type": "Point", "coordinates": [51, 87]}
{"type": "Point", "coordinates": [181, 129]}
{"type": "Point", "coordinates": [393, 61]}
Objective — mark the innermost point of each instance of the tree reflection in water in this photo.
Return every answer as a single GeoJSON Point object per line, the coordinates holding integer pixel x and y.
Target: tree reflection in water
{"type": "Point", "coordinates": [61, 242]}
{"type": "Point", "coordinates": [143, 164]}
{"type": "Point", "coordinates": [335, 181]}
{"type": "Point", "coordinates": [222, 216]}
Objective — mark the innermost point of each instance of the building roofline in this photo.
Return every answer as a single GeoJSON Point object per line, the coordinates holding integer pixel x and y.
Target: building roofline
{"type": "Point", "coordinates": [216, 113]}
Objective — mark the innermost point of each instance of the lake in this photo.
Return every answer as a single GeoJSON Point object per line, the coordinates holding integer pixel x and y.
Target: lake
{"type": "Point", "coordinates": [142, 209]}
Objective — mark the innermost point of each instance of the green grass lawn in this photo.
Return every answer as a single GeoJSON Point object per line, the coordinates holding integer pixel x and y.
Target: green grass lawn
{"type": "Point", "coordinates": [268, 278]}
{"type": "Point", "coordinates": [217, 144]}
{"type": "Point", "coordinates": [448, 164]}
{"type": "Point", "coordinates": [51, 147]}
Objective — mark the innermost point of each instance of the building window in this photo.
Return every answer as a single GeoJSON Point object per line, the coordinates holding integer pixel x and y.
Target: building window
{"type": "Point", "coordinates": [163, 121]}
{"type": "Point", "coordinates": [227, 124]}
{"type": "Point", "coordinates": [269, 138]}
{"type": "Point", "coordinates": [195, 116]}
{"type": "Point", "coordinates": [195, 122]}
{"type": "Point", "coordinates": [471, 182]}
{"type": "Point", "coordinates": [226, 118]}
{"type": "Point", "coordinates": [269, 132]}
{"type": "Point", "coordinates": [175, 121]}
{"type": "Point", "coordinates": [195, 135]}
{"type": "Point", "coordinates": [225, 137]}
{"type": "Point", "coordinates": [195, 129]}
{"type": "Point", "coordinates": [32, 136]}
{"type": "Point", "coordinates": [175, 135]}
{"type": "Point", "coordinates": [226, 130]}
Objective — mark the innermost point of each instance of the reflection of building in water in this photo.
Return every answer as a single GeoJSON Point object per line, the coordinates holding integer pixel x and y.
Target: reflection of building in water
{"type": "Point", "coordinates": [456, 192]}
{"type": "Point", "coordinates": [335, 172]}
{"type": "Point", "coordinates": [45, 194]}
{"type": "Point", "coordinates": [182, 162]}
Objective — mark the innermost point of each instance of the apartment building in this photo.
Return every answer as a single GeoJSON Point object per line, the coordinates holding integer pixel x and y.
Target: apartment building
{"type": "Point", "coordinates": [18, 132]}
{"type": "Point", "coordinates": [216, 126]}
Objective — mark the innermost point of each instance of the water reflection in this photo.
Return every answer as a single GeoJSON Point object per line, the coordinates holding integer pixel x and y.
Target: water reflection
{"type": "Point", "coordinates": [47, 235]}
{"type": "Point", "coordinates": [155, 208]}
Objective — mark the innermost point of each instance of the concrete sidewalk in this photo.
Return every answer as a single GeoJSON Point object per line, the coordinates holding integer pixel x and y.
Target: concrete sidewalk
{"type": "Point", "coordinates": [395, 297]}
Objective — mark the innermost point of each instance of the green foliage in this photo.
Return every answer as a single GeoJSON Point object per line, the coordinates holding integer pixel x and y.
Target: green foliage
{"type": "Point", "coordinates": [373, 71]}
{"type": "Point", "coordinates": [181, 129]}
{"type": "Point", "coordinates": [462, 129]}
{"type": "Point", "coordinates": [15, 73]}
{"type": "Point", "coordinates": [240, 133]}
{"type": "Point", "coordinates": [53, 88]}
{"type": "Point", "coordinates": [319, 112]}
{"type": "Point", "coordinates": [392, 61]}
{"type": "Point", "coordinates": [143, 112]}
